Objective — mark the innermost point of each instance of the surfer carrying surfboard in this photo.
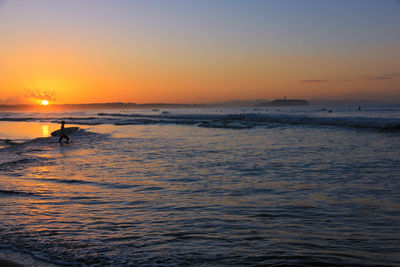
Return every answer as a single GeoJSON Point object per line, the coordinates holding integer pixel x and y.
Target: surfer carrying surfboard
{"type": "Point", "coordinates": [63, 135]}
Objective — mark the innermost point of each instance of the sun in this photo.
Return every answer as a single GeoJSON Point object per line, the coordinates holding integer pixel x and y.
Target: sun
{"type": "Point", "coordinates": [45, 102]}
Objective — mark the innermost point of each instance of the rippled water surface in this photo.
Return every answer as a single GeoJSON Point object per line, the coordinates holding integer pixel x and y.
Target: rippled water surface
{"type": "Point", "coordinates": [174, 194]}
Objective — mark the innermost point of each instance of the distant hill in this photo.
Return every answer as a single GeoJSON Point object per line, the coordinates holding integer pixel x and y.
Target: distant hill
{"type": "Point", "coordinates": [116, 105]}
{"type": "Point", "coordinates": [284, 102]}
{"type": "Point", "coordinates": [239, 103]}
{"type": "Point", "coordinates": [347, 102]}
{"type": "Point", "coordinates": [121, 105]}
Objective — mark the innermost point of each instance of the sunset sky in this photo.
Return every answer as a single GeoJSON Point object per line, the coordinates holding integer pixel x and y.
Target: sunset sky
{"type": "Point", "coordinates": [84, 51]}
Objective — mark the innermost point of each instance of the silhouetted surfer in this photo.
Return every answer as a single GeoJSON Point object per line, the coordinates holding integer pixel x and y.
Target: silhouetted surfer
{"type": "Point", "coordinates": [63, 135]}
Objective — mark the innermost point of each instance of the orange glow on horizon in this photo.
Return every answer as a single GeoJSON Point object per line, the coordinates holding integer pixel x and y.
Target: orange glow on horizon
{"type": "Point", "coordinates": [127, 56]}
{"type": "Point", "coordinates": [45, 102]}
{"type": "Point", "coordinates": [74, 73]}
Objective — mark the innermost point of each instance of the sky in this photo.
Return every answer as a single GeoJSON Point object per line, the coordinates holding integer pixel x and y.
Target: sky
{"type": "Point", "coordinates": [189, 51]}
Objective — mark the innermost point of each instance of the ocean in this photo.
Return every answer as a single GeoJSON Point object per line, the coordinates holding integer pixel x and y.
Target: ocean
{"type": "Point", "coordinates": [273, 186]}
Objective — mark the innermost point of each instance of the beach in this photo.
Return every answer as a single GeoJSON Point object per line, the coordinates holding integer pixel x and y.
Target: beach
{"type": "Point", "coordinates": [220, 186]}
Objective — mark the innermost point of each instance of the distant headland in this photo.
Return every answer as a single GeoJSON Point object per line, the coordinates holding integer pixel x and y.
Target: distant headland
{"type": "Point", "coordinates": [231, 103]}
{"type": "Point", "coordinates": [114, 105]}
{"type": "Point", "coordinates": [284, 102]}
{"type": "Point", "coordinates": [126, 106]}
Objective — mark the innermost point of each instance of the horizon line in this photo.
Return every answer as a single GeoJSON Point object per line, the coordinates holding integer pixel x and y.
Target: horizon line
{"type": "Point", "coordinates": [222, 103]}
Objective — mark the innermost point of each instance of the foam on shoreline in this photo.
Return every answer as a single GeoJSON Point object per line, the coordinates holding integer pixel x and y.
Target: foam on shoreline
{"type": "Point", "coordinates": [9, 257]}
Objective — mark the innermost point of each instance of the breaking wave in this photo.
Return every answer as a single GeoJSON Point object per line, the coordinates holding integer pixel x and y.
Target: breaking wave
{"type": "Point", "coordinates": [229, 121]}
{"type": "Point", "coordinates": [243, 121]}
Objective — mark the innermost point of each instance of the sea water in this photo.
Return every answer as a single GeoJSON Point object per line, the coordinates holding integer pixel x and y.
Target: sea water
{"type": "Point", "coordinates": [217, 186]}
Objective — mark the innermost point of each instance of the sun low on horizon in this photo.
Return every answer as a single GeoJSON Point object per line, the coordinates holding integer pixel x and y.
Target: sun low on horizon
{"type": "Point", "coordinates": [197, 52]}
{"type": "Point", "coordinates": [199, 132]}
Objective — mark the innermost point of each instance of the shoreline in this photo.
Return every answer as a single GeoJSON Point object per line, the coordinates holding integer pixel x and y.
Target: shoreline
{"type": "Point", "coordinates": [13, 258]}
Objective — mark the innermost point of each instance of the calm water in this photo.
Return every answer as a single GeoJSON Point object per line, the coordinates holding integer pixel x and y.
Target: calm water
{"type": "Point", "coordinates": [204, 187]}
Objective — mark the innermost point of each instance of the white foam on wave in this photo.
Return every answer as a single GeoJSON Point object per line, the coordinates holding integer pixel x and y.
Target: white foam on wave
{"type": "Point", "coordinates": [230, 121]}
{"type": "Point", "coordinates": [239, 121]}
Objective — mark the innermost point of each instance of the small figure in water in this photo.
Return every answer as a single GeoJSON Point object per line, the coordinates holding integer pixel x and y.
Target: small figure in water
{"type": "Point", "coordinates": [63, 135]}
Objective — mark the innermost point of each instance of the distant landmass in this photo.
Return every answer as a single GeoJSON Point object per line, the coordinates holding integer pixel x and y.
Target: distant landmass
{"type": "Point", "coordinates": [232, 103]}
{"type": "Point", "coordinates": [121, 105]}
{"type": "Point", "coordinates": [346, 102]}
{"type": "Point", "coordinates": [238, 103]}
{"type": "Point", "coordinates": [284, 102]}
{"type": "Point", "coordinates": [116, 105]}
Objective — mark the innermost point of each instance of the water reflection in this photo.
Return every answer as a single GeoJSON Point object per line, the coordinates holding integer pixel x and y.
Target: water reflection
{"type": "Point", "coordinates": [26, 130]}
{"type": "Point", "coordinates": [166, 191]}
{"type": "Point", "coordinates": [45, 130]}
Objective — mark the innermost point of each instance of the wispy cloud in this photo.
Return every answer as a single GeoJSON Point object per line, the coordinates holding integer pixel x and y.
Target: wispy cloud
{"type": "Point", "coordinates": [12, 100]}
{"type": "Point", "coordinates": [314, 81]}
{"type": "Point", "coordinates": [378, 78]}
{"type": "Point", "coordinates": [393, 75]}
{"type": "Point", "coordinates": [383, 77]}
{"type": "Point", "coordinates": [41, 94]}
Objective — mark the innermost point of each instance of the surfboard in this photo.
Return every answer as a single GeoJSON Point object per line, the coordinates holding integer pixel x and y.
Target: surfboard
{"type": "Point", "coordinates": [67, 131]}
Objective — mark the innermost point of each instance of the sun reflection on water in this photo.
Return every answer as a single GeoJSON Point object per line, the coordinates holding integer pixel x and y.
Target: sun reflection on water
{"type": "Point", "coordinates": [45, 130]}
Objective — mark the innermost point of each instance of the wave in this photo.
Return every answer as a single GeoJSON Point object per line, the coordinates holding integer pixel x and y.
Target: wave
{"type": "Point", "coordinates": [16, 119]}
{"type": "Point", "coordinates": [241, 121]}
{"type": "Point", "coordinates": [31, 257]}
{"type": "Point", "coordinates": [17, 156]}
{"type": "Point", "coordinates": [229, 121]}
{"type": "Point", "coordinates": [16, 162]}
{"type": "Point", "coordinates": [17, 193]}
{"type": "Point", "coordinates": [86, 182]}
